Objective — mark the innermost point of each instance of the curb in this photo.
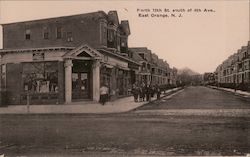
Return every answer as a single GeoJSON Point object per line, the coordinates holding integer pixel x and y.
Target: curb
{"type": "Point", "coordinates": [165, 95]}
{"type": "Point", "coordinates": [236, 94]}
{"type": "Point", "coordinates": [94, 113]}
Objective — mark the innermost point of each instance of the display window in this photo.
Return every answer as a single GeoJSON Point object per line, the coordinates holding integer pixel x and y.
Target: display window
{"type": "Point", "coordinates": [105, 76]}
{"type": "Point", "coordinates": [40, 77]}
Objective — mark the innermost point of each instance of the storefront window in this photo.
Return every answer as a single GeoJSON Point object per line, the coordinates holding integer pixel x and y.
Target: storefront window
{"type": "Point", "coordinates": [105, 75]}
{"type": "Point", "coordinates": [40, 77]}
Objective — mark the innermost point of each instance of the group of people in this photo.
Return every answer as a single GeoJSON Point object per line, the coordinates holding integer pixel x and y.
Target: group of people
{"type": "Point", "coordinates": [144, 92]}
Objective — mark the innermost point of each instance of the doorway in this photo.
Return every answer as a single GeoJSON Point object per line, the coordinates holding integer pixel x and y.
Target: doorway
{"type": "Point", "coordinates": [81, 79]}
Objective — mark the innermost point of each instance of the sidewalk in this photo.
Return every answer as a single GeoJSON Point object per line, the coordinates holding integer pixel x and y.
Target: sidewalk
{"type": "Point", "coordinates": [118, 106]}
{"type": "Point", "coordinates": [238, 92]}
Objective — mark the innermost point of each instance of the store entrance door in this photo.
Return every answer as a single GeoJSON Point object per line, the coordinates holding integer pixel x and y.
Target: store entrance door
{"type": "Point", "coordinates": [81, 79]}
{"type": "Point", "coordinates": [80, 85]}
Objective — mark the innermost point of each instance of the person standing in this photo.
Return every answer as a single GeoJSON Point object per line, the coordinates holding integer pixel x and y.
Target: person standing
{"type": "Point", "coordinates": [153, 90]}
{"type": "Point", "coordinates": [158, 91]}
{"type": "Point", "coordinates": [148, 92]}
{"type": "Point", "coordinates": [135, 92]}
{"type": "Point", "coordinates": [104, 94]}
{"type": "Point", "coordinates": [140, 93]}
{"type": "Point", "coordinates": [143, 91]}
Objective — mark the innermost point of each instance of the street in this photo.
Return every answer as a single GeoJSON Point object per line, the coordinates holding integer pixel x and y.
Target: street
{"type": "Point", "coordinates": [133, 134]}
{"type": "Point", "coordinates": [200, 97]}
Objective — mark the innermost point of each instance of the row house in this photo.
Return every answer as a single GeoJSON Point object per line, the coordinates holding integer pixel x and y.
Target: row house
{"type": "Point", "coordinates": [235, 69]}
{"type": "Point", "coordinates": [209, 78]}
{"type": "Point", "coordinates": [173, 76]}
{"type": "Point", "coordinates": [143, 56]}
{"type": "Point", "coordinates": [153, 70]}
{"type": "Point", "coordinates": [65, 59]}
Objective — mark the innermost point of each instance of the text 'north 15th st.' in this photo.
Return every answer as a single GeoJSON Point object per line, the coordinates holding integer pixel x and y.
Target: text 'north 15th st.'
{"type": "Point", "coordinates": [165, 13]}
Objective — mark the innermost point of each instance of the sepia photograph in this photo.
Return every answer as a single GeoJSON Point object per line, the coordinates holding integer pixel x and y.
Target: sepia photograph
{"type": "Point", "coordinates": [129, 78]}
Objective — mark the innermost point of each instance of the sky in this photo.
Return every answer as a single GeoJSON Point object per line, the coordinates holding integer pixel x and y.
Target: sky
{"type": "Point", "coordinates": [197, 39]}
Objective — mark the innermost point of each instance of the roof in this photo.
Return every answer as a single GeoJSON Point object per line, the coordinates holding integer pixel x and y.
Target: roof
{"type": "Point", "coordinates": [84, 48]}
{"type": "Point", "coordinates": [144, 50]}
{"type": "Point", "coordinates": [113, 17]}
{"type": "Point", "coordinates": [160, 63]}
{"type": "Point", "coordinates": [154, 58]}
{"type": "Point", "coordinates": [98, 14]}
{"type": "Point", "coordinates": [137, 57]}
{"type": "Point", "coordinates": [138, 49]}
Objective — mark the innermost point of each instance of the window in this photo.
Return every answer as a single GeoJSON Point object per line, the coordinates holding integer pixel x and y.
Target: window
{"type": "Point", "coordinates": [142, 55]}
{"type": "Point", "coordinates": [40, 77]}
{"type": "Point", "coordinates": [118, 43]}
{"type": "Point", "coordinates": [240, 65]}
{"type": "Point", "coordinates": [59, 32]}
{"type": "Point", "coordinates": [45, 33]}
{"type": "Point", "coordinates": [69, 36]}
{"type": "Point", "coordinates": [123, 42]}
{"type": "Point", "coordinates": [27, 34]}
{"type": "Point", "coordinates": [103, 33]}
{"type": "Point", "coordinates": [110, 35]}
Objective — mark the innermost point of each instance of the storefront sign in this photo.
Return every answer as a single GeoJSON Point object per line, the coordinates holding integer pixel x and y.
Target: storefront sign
{"type": "Point", "coordinates": [38, 56]}
{"type": "Point", "coordinates": [115, 62]}
{"type": "Point", "coordinates": [133, 66]}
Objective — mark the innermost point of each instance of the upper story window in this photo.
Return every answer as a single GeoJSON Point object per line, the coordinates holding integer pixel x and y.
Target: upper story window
{"type": "Point", "coordinates": [245, 54]}
{"type": "Point", "coordinates": [69, 36]}
{"type": "Point", "coordinates": [59, 32]}
{"type": "Point", "coordinates": [45, 33]}
{"type": "Point", "coordinates": [118, 42]}
{"type": "Point", "coordinates": [123, 42]}
{"type": "Point", "coordinates": [142, 55]}
{"type": "Point", "coordinates": [111, 34]}
{"type": "Point", "coordinates": [103, 33]}
{"type": "Point", "coordinates": [27, 34]}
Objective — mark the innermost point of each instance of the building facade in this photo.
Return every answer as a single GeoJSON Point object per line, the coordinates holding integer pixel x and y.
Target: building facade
{"type": "Point", "coordinates": [65, 59]}
{"type": "Point", "coordinates": [209, 78]}
{"type": "Point", "coordinates": [235, 70]}
{"type": "Point", "coordinates": [153, 70]}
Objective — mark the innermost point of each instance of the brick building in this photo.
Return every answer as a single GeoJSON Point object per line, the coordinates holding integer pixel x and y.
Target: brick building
{"type": "Point", "coordinates": [235, 70]}
{"type": "Point", "coordinates": [209, 78]}
{"type": "Point", "coordinates": [66, 59]}
{"type": "Point", "coordinates": [153, 69]}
